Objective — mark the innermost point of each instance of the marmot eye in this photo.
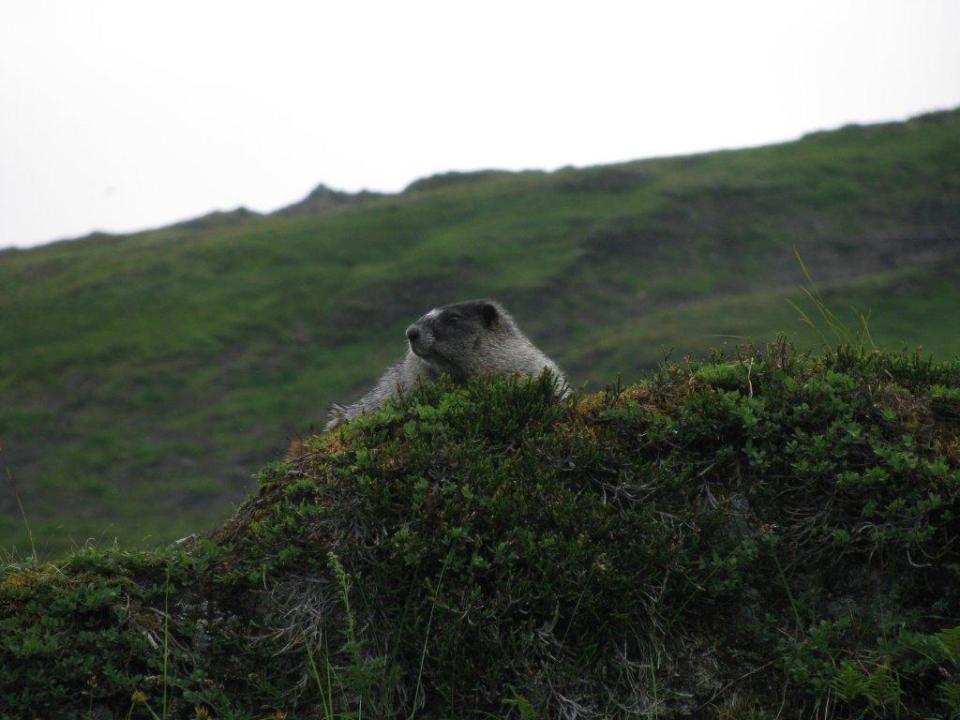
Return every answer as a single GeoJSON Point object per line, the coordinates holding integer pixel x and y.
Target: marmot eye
{"type": "Point", "coordinates": [452, 319]}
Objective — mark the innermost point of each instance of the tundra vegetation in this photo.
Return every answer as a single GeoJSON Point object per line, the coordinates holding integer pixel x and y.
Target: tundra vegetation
{"type": "Point", "coordinates": [770, 533]}
{"type": "Point", "coordinates": [144, 378]}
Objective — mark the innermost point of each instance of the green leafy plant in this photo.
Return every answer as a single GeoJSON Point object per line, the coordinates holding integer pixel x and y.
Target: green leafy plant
{"type": "Point", "coordinates": [772, 531]}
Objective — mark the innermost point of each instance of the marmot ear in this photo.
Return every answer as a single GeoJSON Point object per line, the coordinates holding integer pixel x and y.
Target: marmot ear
{"type": "Point", "coordinates": [489, 313]}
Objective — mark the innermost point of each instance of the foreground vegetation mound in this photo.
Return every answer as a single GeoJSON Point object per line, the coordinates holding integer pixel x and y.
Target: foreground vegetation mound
{"type": "Point", "coordinates": [769, 534]}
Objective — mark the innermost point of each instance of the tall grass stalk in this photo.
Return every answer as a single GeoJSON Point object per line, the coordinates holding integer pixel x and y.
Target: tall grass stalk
{"type": "Point", "coordinates": [786, 587]}
{"type": "Point", "coordinates": [860, 340]}
{"type": "Point", "coordinates": [326, 697]}
{"type": "Point", "coordinates": [426, 636]}
{"type": "Point", "coordinates": [166, 637]}
{"type": "Point", "coordinates": [23, 514]}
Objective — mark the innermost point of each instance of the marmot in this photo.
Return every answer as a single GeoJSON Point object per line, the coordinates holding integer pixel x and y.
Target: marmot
{"type": "Point", "coordinates": [460, 340]}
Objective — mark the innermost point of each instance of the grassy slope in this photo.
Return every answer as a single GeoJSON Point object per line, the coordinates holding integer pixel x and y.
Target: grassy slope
{"type": "Point", "coordinates": [144, 377]}
{"type": "Point", "coordinates": [770, 535]}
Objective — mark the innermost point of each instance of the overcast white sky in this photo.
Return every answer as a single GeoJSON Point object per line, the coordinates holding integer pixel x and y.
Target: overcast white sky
{"type": "Point", "coordinates": [121, 115]}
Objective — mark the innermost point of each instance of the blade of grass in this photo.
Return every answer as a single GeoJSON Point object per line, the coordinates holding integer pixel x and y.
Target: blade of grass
{"type": "Point", "coordinates": [426, 637]}
{"type": "Point", "coordinates": [166, 636]}
{"type": "Point", "coordinates": [23, 514]}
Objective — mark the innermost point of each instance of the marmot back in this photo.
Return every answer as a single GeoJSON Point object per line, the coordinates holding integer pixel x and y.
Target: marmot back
{"type": "Point", "coordinates": [460, 340]}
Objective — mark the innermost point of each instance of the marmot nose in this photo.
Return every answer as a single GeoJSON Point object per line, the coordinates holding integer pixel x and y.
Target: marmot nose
{"type": "Point", "coordinates": [413, 332]}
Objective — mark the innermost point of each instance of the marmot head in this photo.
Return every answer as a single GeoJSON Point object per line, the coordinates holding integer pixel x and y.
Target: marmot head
{"type": "Point", "coordinates": [451, 337]}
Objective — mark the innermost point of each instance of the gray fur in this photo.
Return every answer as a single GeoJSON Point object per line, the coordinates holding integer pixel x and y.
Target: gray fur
{"type": "Point", "coordinates": [460, 340]}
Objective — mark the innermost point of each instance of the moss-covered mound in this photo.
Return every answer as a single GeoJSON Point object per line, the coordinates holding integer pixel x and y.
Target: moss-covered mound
{"type": "Point", "coordinates": [771, 533]}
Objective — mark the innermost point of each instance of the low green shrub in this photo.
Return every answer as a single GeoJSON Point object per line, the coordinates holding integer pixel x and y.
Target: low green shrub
{"type": "Point", "coordinates": [771, 533]}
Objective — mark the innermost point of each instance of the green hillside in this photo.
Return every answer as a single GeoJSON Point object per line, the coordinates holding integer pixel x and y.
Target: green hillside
{"type": "Point", "coordinates": [144, 378]}
{"type": "Point", "coordinates": [771, 534]}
